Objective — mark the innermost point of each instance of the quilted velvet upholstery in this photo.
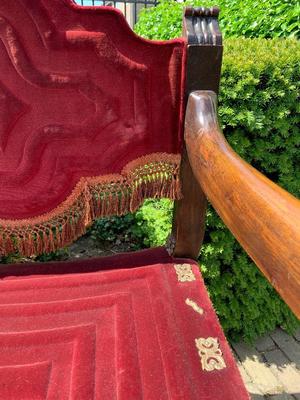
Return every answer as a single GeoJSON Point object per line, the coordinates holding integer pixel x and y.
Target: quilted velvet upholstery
{"type": "Point", "coordinates": [90, 120]}
{"type": "Point", "coordinates": [120, 327]}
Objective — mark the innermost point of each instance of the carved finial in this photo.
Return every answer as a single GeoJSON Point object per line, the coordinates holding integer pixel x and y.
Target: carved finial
{"type": "Point", "coordinates": [201, 26]}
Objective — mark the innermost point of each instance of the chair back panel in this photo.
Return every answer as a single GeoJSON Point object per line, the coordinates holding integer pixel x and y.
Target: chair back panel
{"type": "Point", "coordinates": [90, 120]}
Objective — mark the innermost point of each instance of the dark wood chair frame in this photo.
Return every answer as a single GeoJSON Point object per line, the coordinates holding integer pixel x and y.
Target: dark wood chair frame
{"type": "Point", "coordinates": [263, 217]}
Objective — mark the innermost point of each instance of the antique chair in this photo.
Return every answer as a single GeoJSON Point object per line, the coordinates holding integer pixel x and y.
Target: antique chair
{"type": "Point", "coordinates": [91, 124]}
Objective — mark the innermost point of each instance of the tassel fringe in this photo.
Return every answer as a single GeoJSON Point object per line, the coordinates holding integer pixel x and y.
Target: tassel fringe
{"type": "Point", "coordinates": [153, 176]}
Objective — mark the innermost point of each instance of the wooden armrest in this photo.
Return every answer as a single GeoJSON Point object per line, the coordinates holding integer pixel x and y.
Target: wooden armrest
{"type": "Point", "coordinates": [264, 218]}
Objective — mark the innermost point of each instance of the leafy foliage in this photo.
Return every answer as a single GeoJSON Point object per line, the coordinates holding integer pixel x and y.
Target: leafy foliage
{"type": "Point", "coordinates": [115, 230]}
{"type": "Point", "coordinates": [154, 220]}
{"type": "Point", "coordinates": [148, 227]}
{"type": "Point", "coordinates": [248, 18]}
{"type": "Point", "coordinates": [259, 106]}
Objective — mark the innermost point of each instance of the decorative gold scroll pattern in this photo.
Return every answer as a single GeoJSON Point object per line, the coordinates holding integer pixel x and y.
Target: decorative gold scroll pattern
{"type": "Point", "coordinates": [184, 272]}
{"type": "Point", "coordinates": [194, 306]}
{"type": "Point", "coordinates": [210, 354]}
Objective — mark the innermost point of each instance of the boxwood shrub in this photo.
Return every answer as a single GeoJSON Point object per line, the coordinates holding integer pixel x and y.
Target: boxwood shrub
{"type": "Point", "coordinates": [259, 113]}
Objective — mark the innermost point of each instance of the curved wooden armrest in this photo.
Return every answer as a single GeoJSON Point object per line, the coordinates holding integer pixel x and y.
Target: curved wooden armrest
{"type": "Point", "coordinates": [264, 218]}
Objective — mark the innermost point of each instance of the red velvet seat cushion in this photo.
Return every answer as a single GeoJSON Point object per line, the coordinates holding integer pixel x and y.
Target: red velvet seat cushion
{"type": "Point", "coordinates": [134, 326]}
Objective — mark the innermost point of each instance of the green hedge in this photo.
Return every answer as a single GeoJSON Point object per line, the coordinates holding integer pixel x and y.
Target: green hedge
{"type": "Point", "coordinates": [248, 18]}
{"type": "Point", "coordinates": [259, 112]}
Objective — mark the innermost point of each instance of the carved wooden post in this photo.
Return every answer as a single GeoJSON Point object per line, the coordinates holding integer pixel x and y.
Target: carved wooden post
{"type": "Point", "coordinates": [204, 58]}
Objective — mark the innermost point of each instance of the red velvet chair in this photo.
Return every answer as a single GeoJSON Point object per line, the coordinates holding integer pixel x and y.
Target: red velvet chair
{"type": "Point", "coordinates": [91, 124]}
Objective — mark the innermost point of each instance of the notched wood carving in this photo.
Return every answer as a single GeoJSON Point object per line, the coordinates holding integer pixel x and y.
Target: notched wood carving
{"type": "Point", "coordinates": [201, 26]}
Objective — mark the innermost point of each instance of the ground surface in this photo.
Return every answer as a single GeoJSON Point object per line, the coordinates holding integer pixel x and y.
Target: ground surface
{"type": "Point", "coordinates": [271, 367]}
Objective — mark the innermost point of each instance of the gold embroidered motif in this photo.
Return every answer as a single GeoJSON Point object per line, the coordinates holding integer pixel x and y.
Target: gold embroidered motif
{"type": "Point", "coordinates": [184, 272]}
{"type": "Point", "coordinates": [194, 306]}
{"type": "Point", "coordinates": [210, 354]}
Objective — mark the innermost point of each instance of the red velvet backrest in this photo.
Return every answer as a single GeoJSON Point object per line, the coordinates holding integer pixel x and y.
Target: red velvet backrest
{"type": "Point", "coordinates": [90, 120]}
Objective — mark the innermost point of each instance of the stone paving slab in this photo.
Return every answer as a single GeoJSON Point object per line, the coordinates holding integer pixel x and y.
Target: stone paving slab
{"type": "Point", "coordinates": [288, 345]}
{"type": "Point", "coordinates": [255, 392]}
{"type": "Point", "coordinates": [269, 367]}
{"type": "Point", "coordinates": [265, 343]}
{"type": "Point", "coordinates": [246, 378]}
{"type": "Point", "coordinates": [297, 335]}
{"type": "Point", "coordinates": [257, 369]}
{"type": "Point", "coordinates": [284, 370]}
{"type": "Point", "coordinates": [292, 351]}
{"type": "Point", "coordinates": [280, 337]}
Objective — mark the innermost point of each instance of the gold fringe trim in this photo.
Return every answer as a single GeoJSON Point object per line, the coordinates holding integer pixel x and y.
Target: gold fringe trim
{"type": "Point", "coordinates": [152, 176]}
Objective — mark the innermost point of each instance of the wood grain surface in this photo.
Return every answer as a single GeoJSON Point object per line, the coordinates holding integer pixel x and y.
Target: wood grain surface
{"type": "Point", "coordinates": [263, 217]}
